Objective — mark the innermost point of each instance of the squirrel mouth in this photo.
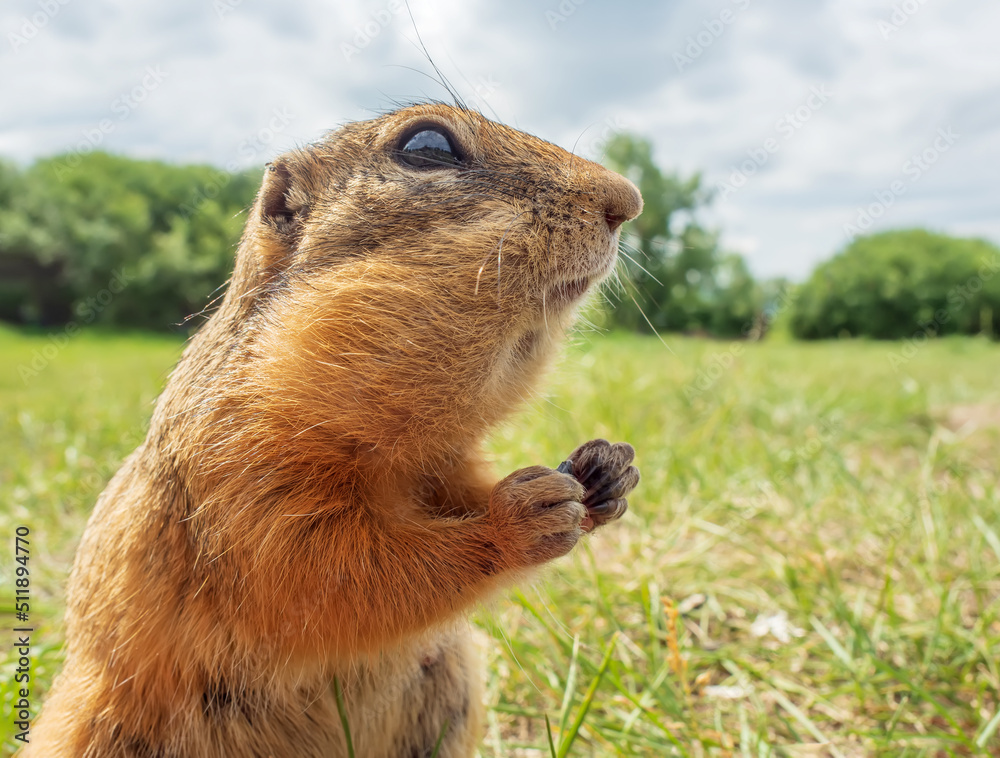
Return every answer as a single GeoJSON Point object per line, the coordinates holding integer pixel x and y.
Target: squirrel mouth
{"type": "Point", "coordinates": [567, 292]}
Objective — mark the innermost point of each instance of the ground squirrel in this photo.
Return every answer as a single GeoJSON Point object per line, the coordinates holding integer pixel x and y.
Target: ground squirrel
{"type": "Point", "coordinates": [311, 508]}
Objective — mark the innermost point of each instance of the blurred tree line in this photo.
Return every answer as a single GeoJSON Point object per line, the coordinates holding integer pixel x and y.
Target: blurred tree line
{"type": "Point", "coordinates": [892, 285]}
{"type": "Point", "coordinates": [674, 276]}
{"type": "Point", "coordinates": [104, 239]}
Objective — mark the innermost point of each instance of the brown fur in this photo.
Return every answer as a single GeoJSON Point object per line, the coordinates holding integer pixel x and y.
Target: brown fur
{"type": "Point", "coordinates": [311, 503]}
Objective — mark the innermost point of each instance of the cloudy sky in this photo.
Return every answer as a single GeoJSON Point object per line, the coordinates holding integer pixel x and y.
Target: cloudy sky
{"type": "Point", "coordinates": [813, 119]}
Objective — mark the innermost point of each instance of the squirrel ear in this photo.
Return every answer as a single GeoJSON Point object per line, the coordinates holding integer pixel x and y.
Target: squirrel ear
{"type": "Point", "coordinates": [284, 201]}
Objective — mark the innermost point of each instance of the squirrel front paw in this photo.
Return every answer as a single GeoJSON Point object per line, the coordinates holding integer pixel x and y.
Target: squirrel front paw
{"type": "Point", "coordinates": [607, 474]}
{"type": "Point", "coordinates": [539, 511]}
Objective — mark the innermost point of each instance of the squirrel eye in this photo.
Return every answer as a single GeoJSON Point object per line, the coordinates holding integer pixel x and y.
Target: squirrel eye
{"type": "Point", "coordinates": [429, 148]}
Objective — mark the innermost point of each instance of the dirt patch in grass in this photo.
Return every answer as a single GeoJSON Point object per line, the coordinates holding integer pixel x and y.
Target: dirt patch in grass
{"type": "Point", "coordinates": [969, 418]}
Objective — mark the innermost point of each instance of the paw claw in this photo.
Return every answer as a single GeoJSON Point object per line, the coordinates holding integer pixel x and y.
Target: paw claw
{"type": "Point", "coordinates": [605, 470]}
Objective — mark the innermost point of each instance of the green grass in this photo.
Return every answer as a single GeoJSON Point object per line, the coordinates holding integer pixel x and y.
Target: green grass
{"type": "Point", "coordinates": [854, 503]}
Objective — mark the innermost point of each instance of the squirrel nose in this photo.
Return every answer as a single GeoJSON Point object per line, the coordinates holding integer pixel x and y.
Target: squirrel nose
{"type": "Point", "coordinates": [614, 220]}
{"type": "Point", "coordinates": [622, 201]}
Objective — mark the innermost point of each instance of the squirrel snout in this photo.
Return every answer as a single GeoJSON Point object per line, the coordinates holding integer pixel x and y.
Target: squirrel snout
{"type": "Point", "coordinates": [622, 201]}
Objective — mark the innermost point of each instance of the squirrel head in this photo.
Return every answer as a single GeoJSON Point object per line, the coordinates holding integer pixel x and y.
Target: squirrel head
{"type": "Point", "coordinates": [411, 274]}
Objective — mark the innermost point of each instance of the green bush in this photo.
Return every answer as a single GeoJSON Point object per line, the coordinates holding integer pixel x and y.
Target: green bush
{"type": "Point", "coordinates": [900, 284]}
{"type": "Point", "coordinates": [104, 239]}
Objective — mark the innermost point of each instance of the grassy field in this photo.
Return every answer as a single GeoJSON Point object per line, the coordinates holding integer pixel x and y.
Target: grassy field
{"type": "Point", "coordinates": [810, 566]}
